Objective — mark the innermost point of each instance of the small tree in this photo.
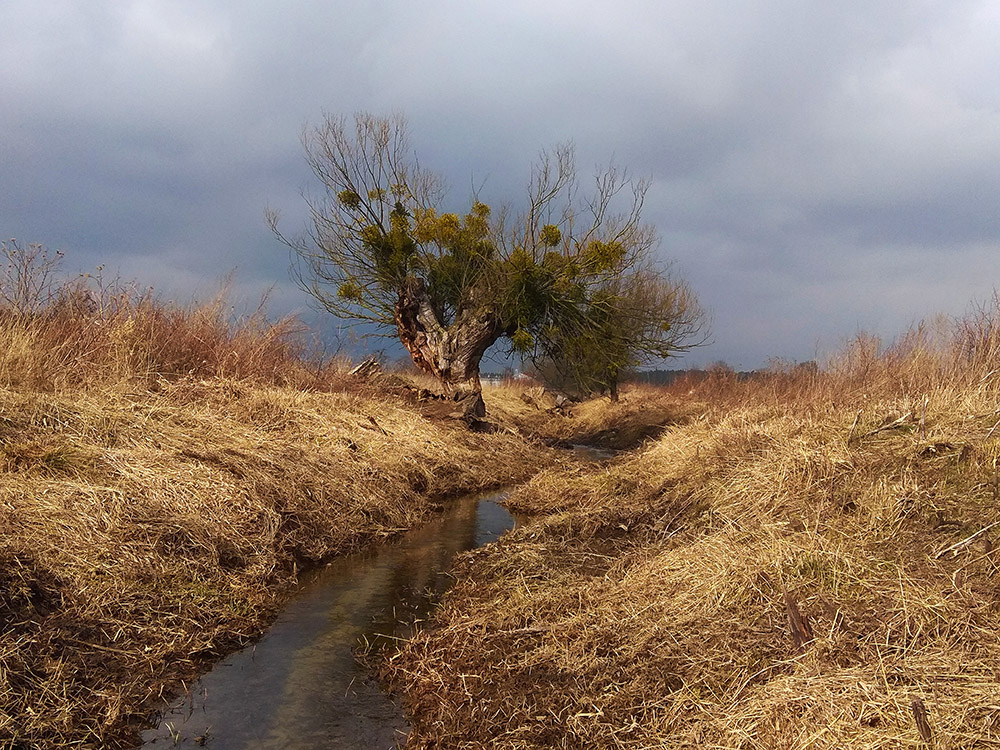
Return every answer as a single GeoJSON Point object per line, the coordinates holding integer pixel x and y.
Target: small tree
{"type": "Point", "coordinates": [27, 277]}
{"type": "Point", "coordinates": [381, 249]}
{"type": "Point", "coordinates": [633, 320]}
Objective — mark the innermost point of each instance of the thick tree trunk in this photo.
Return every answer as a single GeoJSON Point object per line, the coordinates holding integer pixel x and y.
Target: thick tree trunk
{"type": "Point", "coordinates": [451, 354]}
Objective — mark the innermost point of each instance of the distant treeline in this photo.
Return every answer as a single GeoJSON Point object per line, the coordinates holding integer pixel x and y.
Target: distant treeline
{"type": "Point", "coordinates": [668, 377]}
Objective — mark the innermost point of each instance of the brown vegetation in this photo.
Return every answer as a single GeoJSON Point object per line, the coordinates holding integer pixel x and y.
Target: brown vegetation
{"type": "Point", "coordinates": [802, 559]}
{"type": "Point", "coordinates": [807, 563]}
{"type": "Point", "coordinates": [550, 417]}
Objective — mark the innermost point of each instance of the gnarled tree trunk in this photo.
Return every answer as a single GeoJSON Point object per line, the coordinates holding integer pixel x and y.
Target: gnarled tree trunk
{"type": "Point", "coordinates": [451, 354]}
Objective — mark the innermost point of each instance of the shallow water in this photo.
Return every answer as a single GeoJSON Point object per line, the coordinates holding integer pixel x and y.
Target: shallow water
{"type": "Point", "coordinates": [300, 686]}
{"type": "Point", "coordinates": [592, 452]}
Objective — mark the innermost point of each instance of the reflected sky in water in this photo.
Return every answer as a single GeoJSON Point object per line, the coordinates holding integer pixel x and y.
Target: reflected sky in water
{"type": "Point", "coordinates": [300, 685]}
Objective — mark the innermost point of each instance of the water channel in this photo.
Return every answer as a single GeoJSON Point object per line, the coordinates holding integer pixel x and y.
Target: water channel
{"type": "Point", "coordinates": [300, 685]}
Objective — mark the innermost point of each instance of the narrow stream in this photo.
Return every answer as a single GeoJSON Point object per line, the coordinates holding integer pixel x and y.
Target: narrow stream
{"type": "Point", "coordinates": [300, 685]}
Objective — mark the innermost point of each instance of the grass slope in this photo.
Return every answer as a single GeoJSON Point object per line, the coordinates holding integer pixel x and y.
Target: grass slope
{"type": "Point", "coordinates": [165, 471]}
{"type": "Point", "coordinates": [804, 565]}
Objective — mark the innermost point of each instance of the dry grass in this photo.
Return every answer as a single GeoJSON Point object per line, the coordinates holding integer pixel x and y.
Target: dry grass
{"type": "Point", "coordinates": [642, 413]}
{"type": "Point", "coordinates": [165, 471]}
{"type": "Point", "coordinates": [803, 560]}
{"type": "Point", "coordinates": [89, 334]}
{"type": "Point", "coordinates": [772, 573]}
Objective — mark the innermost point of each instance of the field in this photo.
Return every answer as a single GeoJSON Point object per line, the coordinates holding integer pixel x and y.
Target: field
{"type": "Point", "coordinates": [803, 559]}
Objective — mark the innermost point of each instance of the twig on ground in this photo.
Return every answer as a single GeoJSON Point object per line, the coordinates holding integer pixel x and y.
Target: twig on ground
{"type": "Point", "coordinates": [959, 546]}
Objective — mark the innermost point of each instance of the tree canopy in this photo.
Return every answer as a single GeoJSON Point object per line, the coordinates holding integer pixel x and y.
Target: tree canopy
{"type": "Point", "coordinates": [569, 279]}
{"type": "Point", "coordinates": [635, 319]}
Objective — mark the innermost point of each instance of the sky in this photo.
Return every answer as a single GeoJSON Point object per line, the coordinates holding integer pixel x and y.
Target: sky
{"type": "Point", "coordinates": [818, 169]}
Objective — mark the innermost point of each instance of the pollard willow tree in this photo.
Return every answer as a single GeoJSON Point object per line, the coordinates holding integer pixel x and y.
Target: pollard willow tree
{"type": "Point", "coordinates": [380, 249]}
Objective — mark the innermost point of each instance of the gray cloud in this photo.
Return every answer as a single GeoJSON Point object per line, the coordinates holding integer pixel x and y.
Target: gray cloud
{"type": "Point", "coordinates": [815, 170]}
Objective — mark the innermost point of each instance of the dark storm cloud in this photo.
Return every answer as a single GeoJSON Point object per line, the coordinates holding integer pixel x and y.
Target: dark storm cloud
{"type": "Point", "coordinates": [816, 168]}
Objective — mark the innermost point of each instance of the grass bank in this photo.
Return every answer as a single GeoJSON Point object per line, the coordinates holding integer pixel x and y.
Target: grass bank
{"type": "Point", "coordinates": [145, 533]}
{"type": "Point", "coordinates": [643, 413]}
{"type": "Point", "coordinates": [807, 563]}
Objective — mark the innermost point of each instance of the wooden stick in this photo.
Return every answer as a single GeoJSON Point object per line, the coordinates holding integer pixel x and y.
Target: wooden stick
{"type": "Point", "coordinates": [377, 425]}
{"type": "Point", "coordinates": [798, 624]}
{"type": "Point", "coordinates": [923, 723]}
{"type": "Point", "coordinates": [894, 425]}
{"type": "Point", "coordinates": [957, 546]}
{"type": "Point", "coordinates": [850, 435]}
{"type": "Point", "coordinates": [992, 430]}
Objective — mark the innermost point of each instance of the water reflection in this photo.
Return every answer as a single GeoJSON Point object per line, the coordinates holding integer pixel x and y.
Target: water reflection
{"type": "Point", "coordinates": [300, 686]}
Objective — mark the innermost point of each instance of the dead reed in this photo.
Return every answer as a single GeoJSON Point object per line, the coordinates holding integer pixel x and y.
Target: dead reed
{"type": "Point", "coordinates": [137, 340]}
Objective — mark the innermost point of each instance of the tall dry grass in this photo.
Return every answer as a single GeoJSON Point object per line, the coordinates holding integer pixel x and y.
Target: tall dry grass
{"type": "Point", "coordinates": [122, 336]}
{"type": "Point", "coordinates": [810, 561]}
{"type": "Point", "coordinates": [59, 332]}
{"type": "Point", "coordinates": [954, 354]}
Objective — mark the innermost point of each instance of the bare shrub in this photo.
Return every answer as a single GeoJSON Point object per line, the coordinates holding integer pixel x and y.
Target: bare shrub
{"type": "Point", "coordinates": [27, 276]}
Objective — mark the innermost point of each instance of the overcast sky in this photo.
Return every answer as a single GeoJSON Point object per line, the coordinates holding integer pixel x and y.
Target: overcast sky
{"type": "Point", "coordinates": [818, 168]}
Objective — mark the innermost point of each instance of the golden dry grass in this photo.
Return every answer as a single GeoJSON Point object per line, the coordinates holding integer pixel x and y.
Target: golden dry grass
{"type": "Point", "coordinates": [773, 573]}
{"type": "Point", "coordinates": [803, 560]}
{"type": "Point", "coordinates": [642, 412]}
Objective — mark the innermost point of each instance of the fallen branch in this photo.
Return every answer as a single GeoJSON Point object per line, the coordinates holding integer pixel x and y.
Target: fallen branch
{"type": "Point", "coordinates": [850, 435]}
{"type": "Point", "coordinates": [894, 425]}
{"type": "Point", "coordinates": [798, 624]}
{"type": "Point", "coordinates": [377, 426]}
{"type": "Point", "coordinates": [923, 723]}
{"type": "Point", "coordinates": [992, 430]}
{"type": "Point", "coordinates": [367, 369]}
{"type": "Point", "coordinates": [959, 546]}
